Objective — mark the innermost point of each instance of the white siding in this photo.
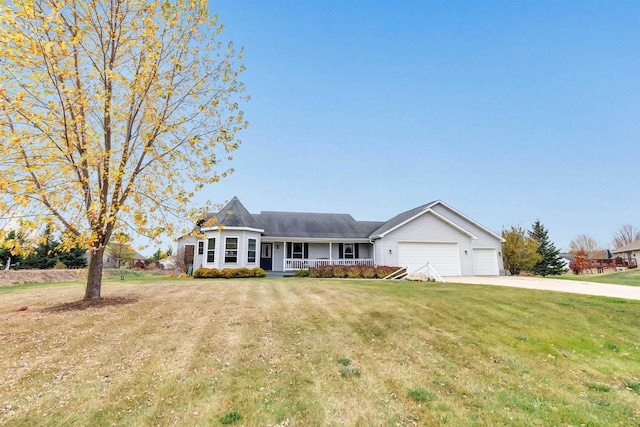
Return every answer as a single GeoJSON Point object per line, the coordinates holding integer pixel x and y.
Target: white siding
{"type": "Point", "coordinates": [485, 262]}
{"type": "Point", "coordinates": [484, 240]}
{"type": "Point", "coordinates": [243, 237]}
{"type": "Point", "coordinates": [443, 257]}
{"type": "Point", "coordinates": [426, 228]}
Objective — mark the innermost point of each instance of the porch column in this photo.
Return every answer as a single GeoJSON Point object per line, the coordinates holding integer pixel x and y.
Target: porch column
{"type": "Point", "coordinates": [330, 254]}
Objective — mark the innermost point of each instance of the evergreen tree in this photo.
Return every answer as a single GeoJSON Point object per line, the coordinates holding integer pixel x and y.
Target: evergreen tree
{"type": "Point", "coordinates": [551, 263]}
{"type": "Point", "coordinates": [43, 256]}
{"type": "Point", "coordinates": [74, 257]}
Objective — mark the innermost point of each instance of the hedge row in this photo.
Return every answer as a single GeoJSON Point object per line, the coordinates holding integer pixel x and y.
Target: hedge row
{"type": "Point", "coordinates": [351, 272]}
{"type": "Point", "coordinates": [228, 273]}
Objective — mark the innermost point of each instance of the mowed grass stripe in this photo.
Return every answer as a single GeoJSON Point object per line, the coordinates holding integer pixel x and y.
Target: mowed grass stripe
{"type": "Point", "coordinates": [319, 352]}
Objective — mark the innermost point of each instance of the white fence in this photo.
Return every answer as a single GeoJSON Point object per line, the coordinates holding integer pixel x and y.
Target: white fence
{"type": "Point", "coordinates": [304, 264]}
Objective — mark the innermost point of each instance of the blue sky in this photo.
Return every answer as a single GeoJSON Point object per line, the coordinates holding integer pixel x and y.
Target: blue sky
{"type": "Point", "coordinates": [508, 111]}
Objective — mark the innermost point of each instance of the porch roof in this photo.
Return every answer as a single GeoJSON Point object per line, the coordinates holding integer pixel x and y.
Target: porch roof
{"type": "Point", "coordinates": [314, 225]}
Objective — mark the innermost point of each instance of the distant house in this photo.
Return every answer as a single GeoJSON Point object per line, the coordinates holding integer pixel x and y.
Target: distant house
{"type": "Point", "coordinates": [628, 254]}
{"type": "Point", "coordinates": [434, 235]}
{"type": "Point", "coordinates": [168, 263]}
{"type": "Point", "coordinates": [567, 259]}
{"type": "Point", "coordinates": [117, 255]}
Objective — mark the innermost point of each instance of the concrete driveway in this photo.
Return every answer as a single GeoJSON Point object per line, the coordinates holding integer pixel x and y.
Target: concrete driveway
{"type": "Point", "coordinates": [587, 288]}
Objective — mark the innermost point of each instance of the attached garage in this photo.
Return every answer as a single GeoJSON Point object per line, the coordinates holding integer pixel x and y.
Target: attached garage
{"type": "Point", "coordinates": [444, 257]}
{"type": "Point", "coordinates": [485, 262]}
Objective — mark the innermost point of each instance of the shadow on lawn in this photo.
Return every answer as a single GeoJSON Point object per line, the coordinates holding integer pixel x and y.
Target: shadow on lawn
{"type": "Point", "coordinates": [97, 303]}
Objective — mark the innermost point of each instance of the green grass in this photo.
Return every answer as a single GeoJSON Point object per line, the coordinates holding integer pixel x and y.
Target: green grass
{"type": "Point", "coordinates": [628, 277]}
{"type": "Point", "coordinates": [273, 352]}
{"type": "Point", "coordinates": [109, 276]}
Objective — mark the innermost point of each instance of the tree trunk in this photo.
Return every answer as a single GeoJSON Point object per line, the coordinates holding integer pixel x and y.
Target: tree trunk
{"type": "Point", "coordinates": [94, 278]}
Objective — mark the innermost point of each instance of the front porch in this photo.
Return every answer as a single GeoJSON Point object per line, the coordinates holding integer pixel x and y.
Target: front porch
{"type": "Point", "coordinates": [290, 256]}
{"type": "Point", "coordinates": [305, 264]}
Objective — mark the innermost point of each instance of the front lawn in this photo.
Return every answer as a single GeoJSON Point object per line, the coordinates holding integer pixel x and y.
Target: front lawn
{"type": "Point", "coordinates": [300, 352]}
{"type": "Point", "coordinates": [628, 277]}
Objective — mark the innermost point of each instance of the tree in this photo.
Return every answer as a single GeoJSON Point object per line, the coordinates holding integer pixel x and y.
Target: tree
{"type": "Point", "coordinates": [44, 255]}
{"type": "Point", "coordinates": [11, 250]}
{"type": "Point", "coordinates": [625, 234]}
{"type": "Point", "coordinates": [160, 254]}
{"type": "Point", "coordinates": [120, 249]}
{"type": "Point", "coordinates": [113, 111]}
{"type": "Point", "coordinates": [581, 262]}
{"type": "Point", "coordinates": [586, 244]}
{"type": "Point", "coordinates": [550, 263]}
{"type": "Point", "coordinates": [519, 252]}
{"type": "Point", "coordinates": [73, 257]}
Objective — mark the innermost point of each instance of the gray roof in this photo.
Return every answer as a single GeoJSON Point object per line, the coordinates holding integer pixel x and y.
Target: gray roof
{"type": "Point", "coordinates": [633, 246]}
{"type": "Point", "coordinates": [400, 218]}
{"type": "Point", "coordinates": [234, 214]}
{"type": "Point", "coordinates": [315, 225]}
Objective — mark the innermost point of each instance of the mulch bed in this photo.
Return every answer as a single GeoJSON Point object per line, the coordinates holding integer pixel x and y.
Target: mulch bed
{"type": "Point", "coordinates": [92, 303]}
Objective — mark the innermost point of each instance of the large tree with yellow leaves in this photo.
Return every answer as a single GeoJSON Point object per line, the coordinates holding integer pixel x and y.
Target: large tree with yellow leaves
{"type": "Point", "coordinates": [112, 114]}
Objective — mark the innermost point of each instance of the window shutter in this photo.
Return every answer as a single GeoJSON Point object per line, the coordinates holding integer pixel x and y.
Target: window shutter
{"type": "Point", "coordinates": [355, 245]}
{"type": "Point", "coordinates": [305, 249]}
{"type": "Point", "coordinates": [289, 249]}
{"type": "Point", "coordinates": [340, 250]}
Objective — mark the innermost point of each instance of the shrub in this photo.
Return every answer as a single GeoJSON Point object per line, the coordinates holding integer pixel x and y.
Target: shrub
{"type": "Point", "coordinates": [200, 273]}
{"type": "Point", "coordinates": [228, 273]}
{"type": "Point", "coordinates": [258, 272]}
{"type": "Point", "coordinates": [59, 266]}
{"type": "Point", "coordinates": [383, 271]}
{"type": "Point", "coordinates": [302, 273]}
{"type": "Point", "coordinates": [314, 272]}
{"type": "Point", "coordinates": [354, 272]}
{"type": "Point", "coordinates": [326, 271]}
{"type": "Point", "coordinates": [368, 271]}
{"type": "Point", "coordinates": [242, 272]}
{"type": "Point", "coordinates": [339, 271]}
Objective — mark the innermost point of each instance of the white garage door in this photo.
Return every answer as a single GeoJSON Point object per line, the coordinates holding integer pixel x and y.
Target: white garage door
{"type": "Point", "coordinates": [485, 262]}
{"type": "Point", "coordinates": [444, 257]}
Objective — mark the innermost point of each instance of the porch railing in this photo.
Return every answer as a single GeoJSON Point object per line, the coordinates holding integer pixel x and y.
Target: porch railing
{"type": "Point", "coordinates": [305, 264]}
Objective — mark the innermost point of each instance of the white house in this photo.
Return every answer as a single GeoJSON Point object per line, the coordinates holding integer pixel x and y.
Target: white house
{"type": "Point", "coordinates": [434, 234]}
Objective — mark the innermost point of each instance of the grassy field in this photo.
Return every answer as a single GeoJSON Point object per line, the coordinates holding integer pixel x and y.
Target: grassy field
{"type": "Point", "coordinates": [309, 352]}
{"type": "Point", "coordinates": [628, 277]}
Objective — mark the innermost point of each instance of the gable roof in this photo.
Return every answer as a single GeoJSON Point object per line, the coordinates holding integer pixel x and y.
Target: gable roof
{"type": "Point", "coordinates": [633, 246]}
{"type": "Point", "coordinates": [234, 214]}
{"type": "Point", "coordinates": [405, 217]}
{"type": "Point", "coordinates": [400, 219]}
{"type": "Point", "coordinates": [314, 225]}
{"type": "Point", "coordinates": [324, 225]}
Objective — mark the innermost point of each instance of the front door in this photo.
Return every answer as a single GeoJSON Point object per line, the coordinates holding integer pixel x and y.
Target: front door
{"type": "Point", "coordinates": [266, 256]}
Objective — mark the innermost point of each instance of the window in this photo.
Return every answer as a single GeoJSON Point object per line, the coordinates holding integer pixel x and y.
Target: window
{"type": "Point", "coordinates": [297, 251]}
{"type": "Point", "coordinates": [251, 251]}
{"type": "Point", "coordinates": [200, 248]}
{"type": "Point", "coordinates": [231, 249]}
{"type": "Point", "coordinates": [348, 251]}
{"type": "Point", "coordinates": [211, 250]}
{"type": "Point", "coordinates": [266, 250]}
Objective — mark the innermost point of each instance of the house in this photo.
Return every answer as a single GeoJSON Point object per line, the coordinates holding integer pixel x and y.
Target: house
{"type": "Point", "coordinates": [434, 236]}
{"type": "Point", "coordinates": [168, 263]}
{"type": "Point", "coordinates": [627, 255]}
{"type": "Point", "coordinates": [118, 255]}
